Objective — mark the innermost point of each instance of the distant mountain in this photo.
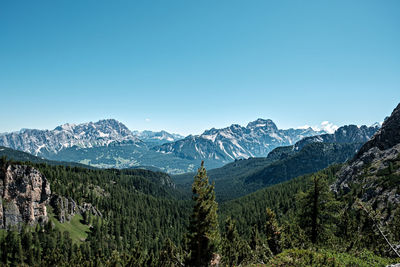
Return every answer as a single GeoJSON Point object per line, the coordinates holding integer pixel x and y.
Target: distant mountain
{"type": "Point", "coordinates": [308, 155]}
{"type": "Point", "coordinates": [344, 134]}
{"type": "Point", "coordinates": [86, 135]}
{"type": "Point", "coordinates": [257, 139]}
{"type": "Point", "coordinates": [157, 138]}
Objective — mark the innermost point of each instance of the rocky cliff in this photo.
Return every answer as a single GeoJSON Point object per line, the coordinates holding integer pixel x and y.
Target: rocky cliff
{"type": "Point", "coordinates": [24, 194]}
{"type": "Point", "coordinates": [66, 208]}
{"type": "Point", "coordinates": [374, 173]}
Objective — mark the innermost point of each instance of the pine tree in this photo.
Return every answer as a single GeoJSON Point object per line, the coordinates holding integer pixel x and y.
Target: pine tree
{"type": "Point", "coordinates": [203, 228]}
{"type": "Point", "coordinates": [231, 244]}
{"type": "Point", "coordinates": [260, 252]}
{"type": "Point", "coordinates": [317, 207]}
{"type": "Point", "coordinates": [273, 232]}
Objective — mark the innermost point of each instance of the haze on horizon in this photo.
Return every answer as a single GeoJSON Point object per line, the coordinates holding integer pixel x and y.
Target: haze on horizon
{"type": "Point", "coordinates": [186, 66]}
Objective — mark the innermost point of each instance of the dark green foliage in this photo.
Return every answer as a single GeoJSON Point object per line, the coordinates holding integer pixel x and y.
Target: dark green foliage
{"type": "Point", "coordinates": [317, 208]}
{"type": "Point", "coordinates": [242, 177]}
{"type": "Point", "coordinates": [234, 250]}
{"type": "Point", "coordinates": [313, 157]}
{"type": "Point", "coordinates": [272, 232]}
{"type": "Point", "coordinates": [140, 208]}
{"type": "Point", "coordinates": [19, 156]}
{"type": "Point", "coordinates": [145, 220]}
{"type": "Point", "coordinates": [280, 198]}
{"type": "Point", "coordinates": [260, 251]}
{"type": "Point", "coordinates": [170, 255]}
{"type": "Point", "coordinates": [203, 228]}
{"type": "Point", "coordinates": [302, 257]}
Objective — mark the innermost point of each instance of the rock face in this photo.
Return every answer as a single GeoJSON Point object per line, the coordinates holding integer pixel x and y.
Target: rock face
{"type": "Point", "coordinates": [376, 168]}
{"type": "Point", "coordinates": [24, 193]}
{"type": "Point", "coordinates": [86, 135]}
{"type": "Point", "coordinates": [257, 139]}
{"type": "Point", "coordinates": [157, 138]}
{"type": "Point", "coordinates": [388, 136]}
{"type": "Point", "coordinates": [343, 135]}
{"type": "Point", "coordinates": [66, 208]}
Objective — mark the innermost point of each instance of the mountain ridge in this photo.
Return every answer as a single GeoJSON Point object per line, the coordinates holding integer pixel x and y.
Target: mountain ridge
{"type": "Point", "coordinates": [257, 139]}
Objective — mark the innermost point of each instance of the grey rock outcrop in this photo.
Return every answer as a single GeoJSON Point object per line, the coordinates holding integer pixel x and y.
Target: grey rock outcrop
{"type": "Point", "coordinates": [343, 135]}
{"type": "Point", "coordinates": [374, 172]}
{"type": "Point", "coordinates": [66, 208]}
{"type": "Point", "coordinates": [383, 147]}
{"type": "Point", "coordinates": [387, 137]}
{"type": "Point", "coordinates": [24, 194]}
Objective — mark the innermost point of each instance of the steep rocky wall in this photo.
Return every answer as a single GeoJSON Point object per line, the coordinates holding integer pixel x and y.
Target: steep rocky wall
{"type": "Point", "coordinates": [24, 194]}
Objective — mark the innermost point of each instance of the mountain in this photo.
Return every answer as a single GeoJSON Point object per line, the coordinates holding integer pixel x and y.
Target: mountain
{"type": "Point", "coordinates": [257, 139]}
{"type": "Point", "coordinates": [127, 155]}
{"type": "Point", "coordinates": [376, 167]}
{"type": "Point", "coordinates": [103, 144]}
{"type": "Point", "coordinates": [308, 155]}
{"type": "Point", "coordinates": [110, 144]}
{"type": "Point", "coordinates": [157, 138]}
{"type": "Point", "coordinates": [344, 134]}
{"type": "Point", "coordinates": [86, 135]}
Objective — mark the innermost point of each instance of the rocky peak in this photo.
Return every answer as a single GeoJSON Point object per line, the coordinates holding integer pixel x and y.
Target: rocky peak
{"type": "Point", "coordinates": [373, 158]}
{"type": "Point", "coordinates": [388, 135]}
{"type": "Point", "coordinates": [344, 134]}
{"type": "Point", "coordinates": [85, 135]}
{"type": "Point", "coordinates": [262, 123]}
{"type": "Point", "coordinates": [24, 194]}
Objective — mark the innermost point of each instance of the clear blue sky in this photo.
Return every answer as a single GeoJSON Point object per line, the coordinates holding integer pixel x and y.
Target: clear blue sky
{"type": "Point", "coordinates": [185, 66]}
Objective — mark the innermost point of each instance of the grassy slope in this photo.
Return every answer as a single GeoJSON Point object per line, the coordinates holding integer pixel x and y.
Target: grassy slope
{"type": "Point", "coordinates": [77, 230]}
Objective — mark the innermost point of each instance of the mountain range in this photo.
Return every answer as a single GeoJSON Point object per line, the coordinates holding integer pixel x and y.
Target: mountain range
{"type": "Point", "coordinates": [110, 144]}
{"type": "Point", "coordinates": [307, 155]}
{"type": "Point", "coordinates": [257, 139]}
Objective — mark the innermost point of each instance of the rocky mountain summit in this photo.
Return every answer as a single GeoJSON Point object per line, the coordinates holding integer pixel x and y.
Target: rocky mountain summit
{"type": "Point", "coordinates": [157, 138]}
{"type": "Point", "coordinates": [86, 135]}
{"type": "Point", "coordinates": [24, 194]}
{"type": "Point", "coordinates": [257, 139]}
{"type": "Point", "coordinates": [343, 135]}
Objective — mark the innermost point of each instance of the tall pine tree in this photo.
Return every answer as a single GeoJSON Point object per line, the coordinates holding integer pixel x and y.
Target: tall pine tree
{"type": "Point", "coordinates": [203, 228]}
{"type": "Point", "coordinates": [317, 209]}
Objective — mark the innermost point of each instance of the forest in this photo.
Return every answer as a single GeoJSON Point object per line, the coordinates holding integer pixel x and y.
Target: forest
{"type": "Point", "coordinates": [146, 221]}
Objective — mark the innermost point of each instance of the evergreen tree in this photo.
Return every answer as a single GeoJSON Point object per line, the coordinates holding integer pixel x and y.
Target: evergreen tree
{"type": "Point", "coordinates": [203, 228]}
{"type": "Point", "coordinates": [317, 207]}
{"type": "Point", "coordinates": [169, 255]}
{"type": "Point", "coordinates": [273, 232]}
{"type": "Point", "coordinates": [260, 252]}
{"type": "Point", "coordinates": [232, 245]}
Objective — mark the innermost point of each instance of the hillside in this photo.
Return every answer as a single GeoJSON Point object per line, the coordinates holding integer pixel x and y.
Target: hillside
{"type": "Point", "coordinates": [360, 211]}
{"type": "Point", "coordinates": [130, 207]}
{"type": "Point", "coordinates": [308, 155]}
{"type": "Point", "coordinates": [16, 155]}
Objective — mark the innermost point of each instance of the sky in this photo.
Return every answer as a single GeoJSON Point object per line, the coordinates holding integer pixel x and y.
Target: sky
{"type": "Point", "coordinates": [186, 66]}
